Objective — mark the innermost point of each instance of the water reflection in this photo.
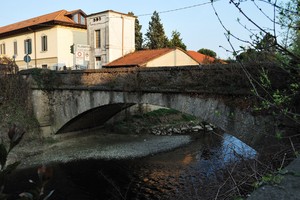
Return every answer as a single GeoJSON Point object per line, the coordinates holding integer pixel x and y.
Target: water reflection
{"type": "Point", "coordinates": [184, 173]}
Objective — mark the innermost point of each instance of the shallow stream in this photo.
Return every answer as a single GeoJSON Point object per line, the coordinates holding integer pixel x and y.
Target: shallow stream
{"type": "Point", "coordinates": [183, 173]}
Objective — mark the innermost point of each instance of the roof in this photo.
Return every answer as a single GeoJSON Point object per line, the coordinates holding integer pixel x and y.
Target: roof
{"type": "Point", "coordinates": [201, 58]}
{"type": "Point", "coordinates": [139, 58]}
{"type": "Point", "coordinates": [58, 17]}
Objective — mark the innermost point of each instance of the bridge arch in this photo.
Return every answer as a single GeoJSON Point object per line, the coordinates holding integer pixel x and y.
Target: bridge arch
{"type": "Point", "coordinates": [93, 118]}
{"type": "Point", "coordinates": [58, 109]}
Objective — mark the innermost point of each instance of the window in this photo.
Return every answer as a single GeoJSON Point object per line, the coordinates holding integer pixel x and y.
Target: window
{"type": "Point", "coordinates": [97, 19]}
{"type": "Point", "coordinates": [15, 48]}
{"type": "Point", "coordinates": [27, 46]}
{"type": "Point", "coordinates": [44, 43]}
{"type": "Point", "coordinates": [82, 20]}
{"type": "Point", "coordinates": [2, 48]}
{"type": "Point", "coordinates": [79, 18]}
{"type": "Point", "coordinates": [97, 39]}
{"type": "Point", "coordinates": [75, 18]}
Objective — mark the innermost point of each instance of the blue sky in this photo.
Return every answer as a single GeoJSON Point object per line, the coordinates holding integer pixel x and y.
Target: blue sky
{"type": "Point", "coordinates": [197, 23]}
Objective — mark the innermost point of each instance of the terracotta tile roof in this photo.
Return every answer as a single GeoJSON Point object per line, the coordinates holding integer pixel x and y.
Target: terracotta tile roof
{"type": "Point", "coordinates": [201, 58]}
{"type": "Point", "coordinates": [139, 58]}
{"type": "Point", "coordinates": [58, 17]}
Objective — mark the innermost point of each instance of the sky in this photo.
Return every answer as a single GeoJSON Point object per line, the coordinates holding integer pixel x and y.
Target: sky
{"type": "Point", "coordinates": [195, 20]}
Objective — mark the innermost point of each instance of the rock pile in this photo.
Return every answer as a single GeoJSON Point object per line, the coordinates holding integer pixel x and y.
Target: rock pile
{"type": "Point", "coordinates": [182, 129]}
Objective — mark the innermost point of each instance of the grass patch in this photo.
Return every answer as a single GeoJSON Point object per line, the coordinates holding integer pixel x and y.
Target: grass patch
{"type": "Point", "coordinates": [161, 112]}
{"type": "Point", "coordinates": [187, 117]}
{"type": "Point", "coordinates": [145, 121]}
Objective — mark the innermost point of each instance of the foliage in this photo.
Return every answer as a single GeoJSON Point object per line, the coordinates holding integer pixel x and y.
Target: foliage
{"type": "Point", "coordinates": [208, 52]}
{"type": "Point", "coordinates": [264, 46]}
{"type": "Point", "coordinates": [138, 33]}
{"type": "Point", "coordinates": [264, 51]}
{"type": "Point", "coordinates": [46, 79]}
{"type": "Point", "coordinates": [9, 82]}
{"type": "Point", "coordinates": [8, 66]}
{"type": "Point", "coordinates": [272, 179]}
{"type": "Point", "coordinates": [176, 41]}
{"type": "Point", "coordinates": [15, 135]}
{"type": "Point", "coordinates": [15, 104]}
{"type": "Point", "coordinates": [289, 19]}
{"type": "Point", "coordinates": [142, 122]}
{"type": "Point", "coordinates": [161, 112]}
{"type": "Point", "coordinates": [155, 36]}
{"type": "Point", "coordinates": [275, 95]}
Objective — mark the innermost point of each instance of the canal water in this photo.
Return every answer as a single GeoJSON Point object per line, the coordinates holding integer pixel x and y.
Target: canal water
{"type": "Point", "coordinates": [183, 173]}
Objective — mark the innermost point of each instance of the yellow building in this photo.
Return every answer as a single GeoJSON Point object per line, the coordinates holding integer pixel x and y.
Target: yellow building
{"type": "Point", "coordinates": [45, 39]}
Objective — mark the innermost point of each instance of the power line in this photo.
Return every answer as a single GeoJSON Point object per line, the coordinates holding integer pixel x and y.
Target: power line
{"type": "Point", "coordinates": [179, 9]}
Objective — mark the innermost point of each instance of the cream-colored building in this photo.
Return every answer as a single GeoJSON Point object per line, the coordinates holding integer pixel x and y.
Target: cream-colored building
{"type": "Point", "coordinates": [166, 57]}
{"type": "Point", "coordinates": [111, 35]}
{"type": "Point", "coordinates": [46, 39]}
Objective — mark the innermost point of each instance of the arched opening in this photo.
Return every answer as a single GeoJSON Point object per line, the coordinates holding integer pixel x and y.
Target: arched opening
{"type": "Point", "coordinates": [93, 118]}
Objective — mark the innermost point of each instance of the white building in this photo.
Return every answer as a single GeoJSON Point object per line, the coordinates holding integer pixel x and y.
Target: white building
{"type": "Point", "coordinates": [46, 39]}
{"type": "Point", "coordinates": [110, 36]}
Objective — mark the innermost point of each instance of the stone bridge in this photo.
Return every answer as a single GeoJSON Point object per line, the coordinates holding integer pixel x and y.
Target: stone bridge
{"type": "Point", "coordinates": [69, 101]}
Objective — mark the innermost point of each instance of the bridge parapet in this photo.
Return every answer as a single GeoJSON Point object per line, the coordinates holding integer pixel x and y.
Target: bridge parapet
{"type": "Point", "coordinates": [212, 79]}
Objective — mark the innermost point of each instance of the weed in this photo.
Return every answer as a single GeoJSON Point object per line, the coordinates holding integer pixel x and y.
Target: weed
{"type": "Point", "coordinates": [15, 135]}
{"type": "Point", "coordinates": [272, 179]}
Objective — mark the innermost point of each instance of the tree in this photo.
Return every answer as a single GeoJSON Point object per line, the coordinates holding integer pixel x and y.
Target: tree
{"type": "Point", "coordinates": [289, 19]}
{"type": "Point", "coordinates": [208, 52]}
{"type": "Point", "coordinates": [155, 36]}
{"type": "Point", "coordinates": [176, 41]}
{"type": "Point", "coordinates": [275, 95]}
{"type": "Point", "coordinates": [138, 33]}
{"type": "Point", "coordinates": [274, 85]}
{"type": "Point", "coordinates": [264, 51]}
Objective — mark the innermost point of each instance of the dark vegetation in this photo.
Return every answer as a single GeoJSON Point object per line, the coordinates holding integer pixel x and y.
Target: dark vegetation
{"type": "Point", "coordinates": [280, 47]}
{"type": "Point", "coordinates": [15, 103]}
{"type": "Point", "coordinates": [16, 118]}
{"type": "Point", "coordinates": [37, 191]}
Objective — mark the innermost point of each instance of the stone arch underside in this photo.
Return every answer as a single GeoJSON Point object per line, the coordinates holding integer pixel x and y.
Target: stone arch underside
{"type": "Point", "coordinates": [69, 106]}
{"type": "Point", "coordinates": [93, 117]}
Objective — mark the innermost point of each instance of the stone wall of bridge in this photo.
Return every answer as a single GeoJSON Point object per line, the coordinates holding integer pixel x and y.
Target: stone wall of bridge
{"type": "Point", "coordinates": [218, 94]}
{"type": "Point", "coordinates": [72, 110]}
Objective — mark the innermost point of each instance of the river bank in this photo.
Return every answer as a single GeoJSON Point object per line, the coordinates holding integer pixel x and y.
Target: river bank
{"type": "Point", "coordinates": [97, 144]}
{"type": "Point", "coordinates": [125, 137]}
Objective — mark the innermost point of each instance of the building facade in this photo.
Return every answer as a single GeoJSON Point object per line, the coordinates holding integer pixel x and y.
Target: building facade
{"type": "Point", "coordinates": [44, 41]}
{"type": "Point", "coordinates": [110, 35]}
{"type": "Point", "coordinates": [166, 57]}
